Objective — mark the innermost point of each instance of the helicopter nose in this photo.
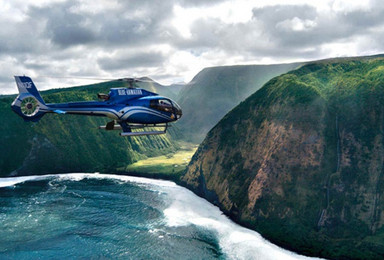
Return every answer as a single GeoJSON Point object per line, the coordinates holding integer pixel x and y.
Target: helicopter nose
{"type": "Point", "coordinates": [176, 111]}
{"type": "Point", "coordinates": [179, 113]}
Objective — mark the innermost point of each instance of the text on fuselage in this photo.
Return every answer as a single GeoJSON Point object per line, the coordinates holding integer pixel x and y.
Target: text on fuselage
{"type": "Point", "coordinates": [124, 92]}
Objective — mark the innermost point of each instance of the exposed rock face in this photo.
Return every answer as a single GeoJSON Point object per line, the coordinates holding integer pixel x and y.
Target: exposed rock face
{"type": "Point", "coordinates": [213, 92]}
{"type": "Point", "coordinates": [301, 160]}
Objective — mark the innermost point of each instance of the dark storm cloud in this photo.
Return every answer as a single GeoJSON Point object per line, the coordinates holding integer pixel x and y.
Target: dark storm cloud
{"type": "Point", "coordinates": [147, 59]}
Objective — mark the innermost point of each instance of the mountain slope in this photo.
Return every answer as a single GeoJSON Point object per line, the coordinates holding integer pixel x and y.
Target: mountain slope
{"type": "Point", "coordinates": [301, 160]}
{"type": "Point", "coordinates": [72, 143]}
{"type": "Point", "coordinates": [213, 92]}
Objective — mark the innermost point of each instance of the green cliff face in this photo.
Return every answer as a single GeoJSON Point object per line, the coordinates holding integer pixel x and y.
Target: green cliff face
{"type": "Point", "coordinates": [213, 92]}
{"type": "Point", "coordinates": [73, 143]}
{"type": "Point", "coordinates": [70, 143]}
{"type": "Point", "coordinates": [302, 160]}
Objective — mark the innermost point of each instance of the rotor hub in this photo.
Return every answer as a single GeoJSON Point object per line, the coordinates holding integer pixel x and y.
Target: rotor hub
{"type": "Point", "coordinates": [29, 106]}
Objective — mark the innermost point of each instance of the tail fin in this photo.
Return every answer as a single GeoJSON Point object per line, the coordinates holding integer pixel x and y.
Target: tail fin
{"type": "Point", "coordinates": [28, 104]}
{"type": "Point", "coordinates": [26, 85]}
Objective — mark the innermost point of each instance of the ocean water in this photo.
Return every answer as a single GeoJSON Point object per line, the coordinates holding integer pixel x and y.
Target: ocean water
{"type": "Point", "coordinates": [97, 216]}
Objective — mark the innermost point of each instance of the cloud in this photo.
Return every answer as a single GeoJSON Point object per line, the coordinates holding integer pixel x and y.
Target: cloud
{"type": "Point", "coordinates": [293, 27]}
{"type": "Point", "coordinates": [119, 61]}
{"type": "Point", "coordinates": [174, 39]}
{"type": "Point", "coordinates": [63, 26]}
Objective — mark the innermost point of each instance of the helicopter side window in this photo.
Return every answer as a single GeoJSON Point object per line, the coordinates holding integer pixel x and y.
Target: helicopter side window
{"type": "Point", "coordinates": [161, 104]}
{"type": "Point", "coordinates": [103, 96]}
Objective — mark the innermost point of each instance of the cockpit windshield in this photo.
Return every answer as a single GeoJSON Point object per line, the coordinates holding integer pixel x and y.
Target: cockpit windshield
{"type": "Point", "coordinates": [166, 105]}
{"type": "Point", "coordinates": [177, 108]}
{"type": "Point", "coordinates": [162, 105]}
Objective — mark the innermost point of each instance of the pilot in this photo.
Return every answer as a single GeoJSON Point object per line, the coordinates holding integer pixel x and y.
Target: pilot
{"type": "Point", "coordinates": [103, 96]}
{"type": "Point", "coordinates": [167, 107]}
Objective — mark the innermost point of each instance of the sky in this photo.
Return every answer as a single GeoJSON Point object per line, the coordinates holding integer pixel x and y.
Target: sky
{"type": "Point", "coordinates": [61, 43]}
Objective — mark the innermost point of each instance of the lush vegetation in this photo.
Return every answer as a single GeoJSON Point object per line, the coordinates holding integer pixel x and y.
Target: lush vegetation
{"type": "Point", "coordinates": [213, 92]}
{"type": "Point", "coordinates": [313, 137]}
{"type": "Point", "coordinates": [169, 166]}
{"type": "Point", "coordinates": [72, 143]}
{"type": "Point", "coordinates": [337, 105]}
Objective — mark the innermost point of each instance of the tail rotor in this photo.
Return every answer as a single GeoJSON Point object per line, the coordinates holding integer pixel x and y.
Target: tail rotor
{"type": "Point", "coordinates": [28, 104]}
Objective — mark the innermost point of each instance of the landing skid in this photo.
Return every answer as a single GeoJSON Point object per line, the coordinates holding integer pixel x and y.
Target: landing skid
{"type": "Point", "coordinates": [127, 128]}
{"type": "Point", "coordinates": [142, 133]}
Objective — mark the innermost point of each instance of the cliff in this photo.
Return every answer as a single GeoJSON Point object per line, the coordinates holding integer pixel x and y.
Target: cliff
{"type": "Point", "coordinates": [301, 160]}
{"type": "Point", "coordinates": [214, 91]}
{"type": "Point", "coordinates": [72, 143]}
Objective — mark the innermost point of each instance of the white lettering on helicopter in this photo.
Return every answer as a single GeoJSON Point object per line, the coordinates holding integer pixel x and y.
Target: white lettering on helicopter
{"type": "Point", "coordinates": [123, 92]}
{"type": "Point", "coordinates": [24, 84]}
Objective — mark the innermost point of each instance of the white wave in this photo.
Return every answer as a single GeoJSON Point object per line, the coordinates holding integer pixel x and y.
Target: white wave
{"type": "Point", "coordinates": [11, 181]}
{"type": "Point", "coordinates": [235, 241]}
{"type": "Point", "coordinates": [188, 209]}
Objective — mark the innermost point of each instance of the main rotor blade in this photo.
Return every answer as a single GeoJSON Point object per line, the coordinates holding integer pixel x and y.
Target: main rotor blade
{"type": "Point", "coordinates": [142, 79]}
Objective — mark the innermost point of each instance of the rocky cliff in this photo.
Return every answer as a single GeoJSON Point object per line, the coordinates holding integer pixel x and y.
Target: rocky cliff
{"type": "Point", "coordinates": [301, 160]}
{"type": "Point", "coordinates": [214, 91]}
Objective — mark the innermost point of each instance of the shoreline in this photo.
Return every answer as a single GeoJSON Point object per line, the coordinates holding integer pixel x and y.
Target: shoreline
{"type": "Point", "coordinates": [161, 177]}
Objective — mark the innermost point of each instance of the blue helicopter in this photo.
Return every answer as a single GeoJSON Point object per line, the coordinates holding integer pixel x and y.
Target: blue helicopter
{"type": "Point", "coordinates": [129, 108]}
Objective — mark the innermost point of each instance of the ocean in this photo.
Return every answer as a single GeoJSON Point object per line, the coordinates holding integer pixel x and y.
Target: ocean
{"type": "Point", "coordinates": [98, 216]}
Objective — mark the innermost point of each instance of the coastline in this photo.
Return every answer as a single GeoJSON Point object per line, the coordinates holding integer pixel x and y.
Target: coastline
{"type": "Point", "coordinates": [10, 181]}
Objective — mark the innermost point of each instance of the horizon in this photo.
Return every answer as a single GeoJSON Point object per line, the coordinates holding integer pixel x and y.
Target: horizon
{"type": "Point", "coordinates": [92, 81]}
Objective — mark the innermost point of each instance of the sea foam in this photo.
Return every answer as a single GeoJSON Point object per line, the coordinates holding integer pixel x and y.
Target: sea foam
{"type": "Point", "coordinates": [235, 241]}
{"type": "Point", "coordinates": [185, 209]}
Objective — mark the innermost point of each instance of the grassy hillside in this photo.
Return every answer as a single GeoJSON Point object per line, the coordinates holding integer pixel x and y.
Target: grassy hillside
{"type": "Point", "coordinates": [302, 160]}
{"type": "Point", "coordinates": [73, 143]}
{"type": "Point", "coordinates": [67, 143]}
{"type": "Point", "coordinates": [215, 91]}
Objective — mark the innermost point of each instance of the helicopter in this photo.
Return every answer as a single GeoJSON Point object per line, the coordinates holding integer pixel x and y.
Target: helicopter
{"type": "Point", "coordinates": [129, 108]}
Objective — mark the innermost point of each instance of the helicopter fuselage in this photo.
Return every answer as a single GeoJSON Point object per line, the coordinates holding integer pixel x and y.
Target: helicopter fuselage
{"type": "Point", "coordinates": [144, 110]}
{"type": "Point", "coordinates": [126, 106]}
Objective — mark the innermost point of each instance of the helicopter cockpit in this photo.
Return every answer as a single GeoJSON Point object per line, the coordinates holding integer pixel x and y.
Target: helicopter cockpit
{"type": "Point", "coordinates": [103, 96]}
{"type": "Point", "coordinates": [166, 105]}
